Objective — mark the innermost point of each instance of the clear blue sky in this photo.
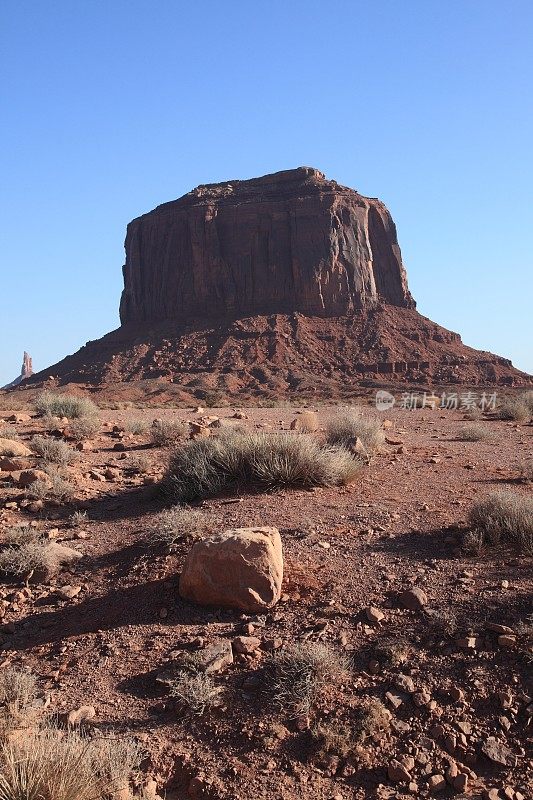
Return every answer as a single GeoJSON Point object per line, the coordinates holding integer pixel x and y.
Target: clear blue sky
{"type": "Point", "coordinates": [112, 107]}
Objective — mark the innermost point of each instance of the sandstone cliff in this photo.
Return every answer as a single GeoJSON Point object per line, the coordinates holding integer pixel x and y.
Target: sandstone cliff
{"type": "Point", "coordinates": [291, 241]}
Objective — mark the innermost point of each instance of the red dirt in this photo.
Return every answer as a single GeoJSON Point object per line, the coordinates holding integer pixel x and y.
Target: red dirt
{"type": "Point", "coordinates": [398, 526]}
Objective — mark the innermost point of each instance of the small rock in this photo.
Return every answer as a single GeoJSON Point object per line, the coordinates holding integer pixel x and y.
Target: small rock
{"type": "Point", "coordinates": [82, 714]}
{"type": "Point", "coordinates": [68, 592]}
{"type": "Point", "coordinates": [460, 783]}
{"type": "Point", "coordinates": [506, 640]}
{"type": "Point", "coordinates": [374, 615]}
{"type": "Point", "coordinates": [414, 599]}
{"type": "Point", "coordinates": [246, 645]}
{"type": "Point", "coordinates": [398, 773]}
{"type": "Point", "coordinates": [437, 783]}
{"type": "Point", "coordinates": [405, 683]}
{"type": "Point", "coordinates": [495, 627]}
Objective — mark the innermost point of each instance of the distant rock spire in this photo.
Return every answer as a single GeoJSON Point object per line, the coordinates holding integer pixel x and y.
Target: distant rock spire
{"type": "Point", "coordinates": [25, 372]}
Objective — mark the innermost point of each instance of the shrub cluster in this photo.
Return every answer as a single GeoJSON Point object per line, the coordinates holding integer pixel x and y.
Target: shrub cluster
{"type": "Point", "coordinates": [345, 427]}
{"type": "Point", "coordinates": [64, 405]}
{"type": "Point", "coordinates": [503, 518]}
{"type": "Point", "coordinates": [54, 451]}
{"type": "Point", "coordinates": [205, 467]}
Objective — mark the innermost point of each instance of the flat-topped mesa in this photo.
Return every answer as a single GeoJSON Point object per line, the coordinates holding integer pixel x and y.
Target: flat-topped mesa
{"type": "Point", "coordinates": [286, 242]}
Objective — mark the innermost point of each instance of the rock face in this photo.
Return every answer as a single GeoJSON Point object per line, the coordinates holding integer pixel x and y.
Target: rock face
{"type": "Point", "coordinates": [291, 241]}
{"type": "Point", "coordinates": [240, 568]}
{"type": "Point", "coordinates": [25, 372]}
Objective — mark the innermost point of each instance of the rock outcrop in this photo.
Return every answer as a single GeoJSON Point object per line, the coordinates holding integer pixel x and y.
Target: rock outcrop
{"type": "Point", "coordinates": [289, 284]}
{"type": "Point", "coordinates": [25, 372]}
{"type": "Point", "coordinates": [291, 241]}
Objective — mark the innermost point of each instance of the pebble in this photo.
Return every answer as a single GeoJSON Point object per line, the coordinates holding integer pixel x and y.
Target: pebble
{"type": "Point", "coordinates": [374, 615]}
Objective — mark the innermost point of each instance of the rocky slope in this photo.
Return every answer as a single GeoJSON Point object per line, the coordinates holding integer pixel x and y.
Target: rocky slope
{"type": "Point", "coordinates": [285, 283]}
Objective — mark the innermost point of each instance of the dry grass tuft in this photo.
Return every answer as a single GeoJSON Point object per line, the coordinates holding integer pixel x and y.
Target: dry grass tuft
{"type": "Point", "coordinates": [196, 692]}
{"type": "Point", "coordinates": [83, 428]}
{"type": "Point", "coordinates": [9, 432]}
{"type": "Point", "coordinates": [394, 650]}
{"type": "Point", "coordinates": [504, 518]}
{"type": "Point", "coordinates": [64, 405]}
{"type": "Point", "coordinates": [205, 467]}
{"type": "Point", "coordinates": [55, 487]}
{"type": "Point", "coordinates": [165, 433]}
{"type": "Point", "coordinates": [178, 524]}
{"type": "Point", "coordinates": [473, 433]}
{"type": "Point", "coordinates": [137, 426]}
{"type": "Point", "coordinates": [514, 409]}
{"type": "Point", "coordinates": [306, 422]}
{"type": "Point", "coordinates": [527, 399]}
{"type": "Point", "coordinates": [54, 451]}
{"type": "Point", "coordinates": [49, 764]}
{"type": "Point", "coordinates": [349, 425]}
{"type": "Point", "coordinates": [23, 559]}
{"type": "Point", "coordinates": [295, 676]}
{"type": "Point", "coordinates": [526, 472]}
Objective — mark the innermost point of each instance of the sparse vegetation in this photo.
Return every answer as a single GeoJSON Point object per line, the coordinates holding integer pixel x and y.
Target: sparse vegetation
{"type": "Point", "coordinates": [179, 524]}
{"type": "Point", "coordinates": [165, 433]}
{"type": "Point", "coordinates": [394, 650]}
{"type": "Point", "coordinates": [137, 426]}
{"type": "Point", "coordinates": [504, 518]}
{"type": "Point", "coordinates": [9, 432]}
{"type": "Point", "coordinates": [473, 433]}
{"type": "Point", "coordinates": [19, 534]}
{"type": "Point", "coordinates": [196, 692]}
{"type": "Point", "coordinates": [527, 399]}
{"type": "Point", "coordinates": [83, 428]}
{"type": "Point", "coordinates": [205, 467]}
{"type": "Point", "coordinates": [54, 451]}
{"type": "Point", "coordinates": [65, 405]}
{"type": "Point", "coordinates": [345, 427]}
{"type": "Point", "coordinates": [48, 764]}
{"type": "Point", "coordinates": [295, 675]}
{"type": "Point", "coordinates": [78, 518]}
{"type": "Point", "coordinates": [514, 409]}
{"type": "Point", "coordinates": [27, 557]}
{"type": "Point", "coordinates": [372, 720]}
{"type": "Point", "coordinates": [526, 472]}
{"type": "Point", "coordinates": [140, 464]}
{"type": "Point", "coordinates": [54, 487]}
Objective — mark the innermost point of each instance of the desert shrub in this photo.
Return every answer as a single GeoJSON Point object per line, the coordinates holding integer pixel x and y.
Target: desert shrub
{"type": "Point", "coordinates": [64, 405]}
{"type": "Point", "coordinates": [18, 688]}
{"type": "Point", "coordinates": [49, 764]}
{"type": "Point", "coordinates": [27, 557]}
{"type": "Point", "coordinates": [504, 518]}
{"type": "Point", "coordinates": [179, 523]}
{"type": "Point", "coordinates": [82, 428]}
{"type": "Point", "coordinates": [9, 432]}
{"type": "Point", "coordinates": [306, 422]}
{"type": "Point", "coordinates": [19, 534]}
{"type": "Point", "coordinates": [514, 409]}
{"type": "Point", "coordinates": [78, 518]}
{"type": "Point", "coordinates": [137, 426]}
{"type": "Point", "coordinates": [54, 487]}
{"type": "Point", "coordinates": [204, 467]}
{"type": "Point", "coordinates": [213, 398]}
{"type": "Point", "coordinates": [343, 428]}
{"type": "Point", "coordinates": [394, 650]}
{"type": "Point", "coordinates": [140, 464]}
{"type": "Point", "coordinates": [527, 399]}
{"type": "Point", "coordinates": [165, 432]}
{"type": "Point", "coordinates": [54, 451]}
{"type": "Point", "coordinates": [526, 472]}
{"type": "Point", "coordinates": [294, 676]}
{"type": "Point", "coordinates": [372, 719]}
{"type": "Point", "coordinates": [196, 692]}
{"type": "Point", "coordinates": [473, 414]}
{"type": "Point", "coordinates": [473, 433]}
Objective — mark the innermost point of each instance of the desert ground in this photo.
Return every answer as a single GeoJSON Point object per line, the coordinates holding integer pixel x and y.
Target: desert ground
{"type": "Point", "coordinates": [429, 690]}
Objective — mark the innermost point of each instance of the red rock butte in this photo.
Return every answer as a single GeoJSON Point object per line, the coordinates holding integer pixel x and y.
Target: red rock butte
{"type": "Point", "coordinates": [287, 283]}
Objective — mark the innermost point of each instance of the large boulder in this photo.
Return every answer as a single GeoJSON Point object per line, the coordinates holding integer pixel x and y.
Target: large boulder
{"type": "Point", "coordinates": [240, 568]}
{"type": "Point", "coordinates": [11, 447]}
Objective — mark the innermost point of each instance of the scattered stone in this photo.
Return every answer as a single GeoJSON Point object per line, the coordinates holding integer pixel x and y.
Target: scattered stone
{"type": "Point", "coordinates": [421, 698]}
{"type": "Point", "coordinates": [405, 683]}
{"type": "Point", "coordinates": [240, 568]}
{"type": "Point", "coordinates": [414, 599]}
{"type": "Point", "coordinates": [68, 592]}
{"type": "Point", "coordinates": [460, 783]}
{"type": "Point", "coordinates": [495, 627]}
{"type": "Point", "coordinates": [82, 714]}
{"type": "Point", "coordinates": [9, 447]}
{"type": "Point", "coordinates": [496, 751]}
{"type": "Point", "coordinates": [398, 773]}
{"type": "Point", "coordinates": [374, 615]}
{"type": "Point", "coordinates": [437, 783]}
{"type": "Point", "coordinates": [29, 476]}
{"type": "Point", "coordinates": [246, 645]}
